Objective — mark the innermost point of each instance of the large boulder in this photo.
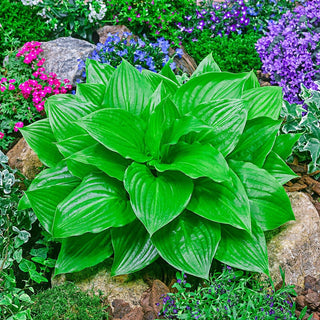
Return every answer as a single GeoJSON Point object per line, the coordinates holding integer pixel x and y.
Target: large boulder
{"type": "Point", "coordinates": [296, 248]}
{"type": "Point", "coordinates": [61, 56]}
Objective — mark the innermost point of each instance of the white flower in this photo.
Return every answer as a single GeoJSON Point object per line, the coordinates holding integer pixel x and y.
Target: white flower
{"type": "Point", "coordinates": [31, 2]}
{"type": "Point", "coordinates": [93, 14]}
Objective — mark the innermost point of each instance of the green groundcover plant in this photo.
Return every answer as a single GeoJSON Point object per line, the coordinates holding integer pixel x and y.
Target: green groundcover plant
{"type": "Point", "coordinates": [141, 167]}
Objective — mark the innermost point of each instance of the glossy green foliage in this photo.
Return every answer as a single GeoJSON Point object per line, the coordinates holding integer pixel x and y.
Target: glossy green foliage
{"type": "Point", "coordinates": [145, 167]}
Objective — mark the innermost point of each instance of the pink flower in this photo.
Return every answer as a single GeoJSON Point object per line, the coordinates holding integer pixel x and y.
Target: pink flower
{"type": "Point", "coordinates": [12, 80]}
{"type": "Point", "coordinates": [66, 80]}
{"type": "Point", "coordinates": [2, 88]}
{"type": "Point", "coordinates": [41, 62]}
{"type": "Point", "coordinates": [11, 87]}
{"type": "Point", "coordinates": [43, 76]}
{"type": "Point", "coordinates": [1, 135]}
{"type": "Point", "coordinates": [3, 80]}
{"type": "Point", "coordinates": [17, 126]}
{"type": "Point", "coordinates": [130, 19]}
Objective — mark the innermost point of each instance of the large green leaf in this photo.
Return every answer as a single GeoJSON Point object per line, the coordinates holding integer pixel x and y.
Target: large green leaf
{"type": "Point", "coordinates": [278, 168]}
{"type": "Point", "coordinates": [40, 138]}
{"type": "Point", "coordinates": [227, 119]}
{"type": "Point", "coordinates": [209, 86]}
{"type": "Point", "coordinates": [107, 161]}
{"type": "Point", "coordinates": [97, 72]}
{"type": "Point", "coordinates": [118, 130]}
{"type": "Point", "coordinates": [155, 79]}
{"type": "Point", "coordinates": [160, 119]}
{"type": "Point", "coordinates": [189, 243]}
{"type": "Point", "coordinates": [47, 190]}
{"type": "Point", "coordinates": [167, 72]}
{"type": "Point", "coordinates": [206, 65]}
{"type": "Point", "coordinates": [269, 204]}
{"type": "Point", "coordinates": [127, 89]}
{"type": "Point", "coordinates": [157, 198]}
{"type": "Point", "coordinates": [284, 144]}
{"type": "Point", "coordinates": [63, 111]}
{"type": "Point", "coordinates": [225, 202]}
{"type": "Point", "coordinates": [239, 249]}
{"type": "Point", "coordinates": [256, 141]}
{"type": "Point", "coordinates": [98, 203]}
{"type": "Point", "coordinates": [133, 249]}
{"type": "Point", "coordinates": [196, 160]}
{"type": "Point", "coordinates": [263, 102]}
{"type": "Point", "coordinates": [91, 93]}
{"type": "Point", "coordinates": [87, 250]}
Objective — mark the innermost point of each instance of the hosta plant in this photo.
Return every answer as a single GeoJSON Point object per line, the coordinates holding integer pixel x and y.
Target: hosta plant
{"type": "Point", "coordinates": [142, 167]}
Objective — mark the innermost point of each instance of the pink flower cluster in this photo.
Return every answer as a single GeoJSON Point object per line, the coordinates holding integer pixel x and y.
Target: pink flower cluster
{"type": "Point", "coordinates": [30, 51]}
{"type": "Point", "coordinates": [5, 84]}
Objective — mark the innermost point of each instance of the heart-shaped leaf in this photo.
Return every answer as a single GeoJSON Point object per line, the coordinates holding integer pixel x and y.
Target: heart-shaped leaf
{"type": "Point", "coordinates": [206, 65]}
{"type": "Point", "coordinates": [189, 243]}
{"type": "Point", "coordinates": [133, 249]}
{"type": "Point", "coordinates": [40, 138]}
{"type": "Point", "coordinates": [98, 203]}
{"type": "Point", "coordinates": [225, 202]}
{"type": "Point", "coordinates": [242, 250]}
{"type": "Point", "coordinates": [124, 133]}
{"type": "Point", "coordinates": [97, 72]}
{"type": "Point", "coordinates": [156, 199]}
{"type": "Point", "coordinates": [87, 250]}
{"type": "Point", "coordinates": [269, 204]}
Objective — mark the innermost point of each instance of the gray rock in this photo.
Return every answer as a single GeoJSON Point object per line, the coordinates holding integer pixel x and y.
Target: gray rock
{"type": "Point", "coordinates": [296, 248]}
{"type": "Point", "coordinates": [62, 56]}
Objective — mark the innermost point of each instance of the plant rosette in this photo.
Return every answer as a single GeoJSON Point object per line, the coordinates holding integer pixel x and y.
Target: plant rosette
{"type": "Point", "coordinates": [141, 167]}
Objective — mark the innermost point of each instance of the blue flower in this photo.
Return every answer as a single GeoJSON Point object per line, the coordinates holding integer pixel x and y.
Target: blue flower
{"type": "Point", "coordinates": [179, 52]}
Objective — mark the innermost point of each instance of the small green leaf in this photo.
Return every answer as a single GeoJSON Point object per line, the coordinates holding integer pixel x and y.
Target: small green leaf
{"type": "Point", "coordinates": [189, 243]}
{"type": "Point", "coordinates": [278, 168]}
{"type": "Point", "coordinates": [269, 204]}
{"type": "Point", "coordinates": [157, 198]}
{"type": "Point", "coordinates": [284, 144]}
{"type": "Point", "coordinates": [225, 202]}
{"type": "Point", "coordinates": [40, 138]}
{"type": "Point", "coordinates": [98, 203]}
{"type": "Point", "coordinates": [127, 89]}
{"type": "Point", "coordinates": [206, 65]}
{"type": "Point", "coordinates": [118, 130]}
{"type": "Point", "coordinates": [27, 266]}
{"type": "Point", "coordinates": [37, 277]}
{"type": "Point", "coordinates": [97, 72]}
{"type": "Point", "coordinates": [256, 141]}
{"type": "Point", "coordinates": [133, 249]}
{"type": "Point", "coordinates": [242, 250]}
{"type": "Point", "coordinates": [78, 253]}
{"type": "Point", "coordinates": [196, 160]}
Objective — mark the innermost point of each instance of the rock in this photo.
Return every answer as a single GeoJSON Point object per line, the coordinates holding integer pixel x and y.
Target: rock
{"type": "Point", "coordinates": [120, 308]}
{"type": "Point", "coordinates": [62, 56]}
{"type": "Point", "coordinates": [23, 158]}
{"type": "Point", "coordinates": [186, 63]}
{"type": "Point", "coordinates": [313, 300]}
{"type": "Point", "coordinates": [296, 248]}
{"type": "Point", "coordinates": [99, 278]}
{"type": "Point", "coordinates": [312, 283]}
{"type": "Point", "coordinates": [158, 290]}
{"type": "Point", "coordinates": [301, 302]}
{"type": "Point", "coordinates": [104, 32]}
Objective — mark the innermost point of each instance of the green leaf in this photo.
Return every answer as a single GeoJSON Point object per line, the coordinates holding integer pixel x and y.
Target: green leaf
{"type": "Point", "coordinates": [269, 204]}
{"type": "Point", "coordinates": [127, 89]}
{"type": "Point", "coordinates": [98, 203]}
{"type": "Point", "coordinates": [87, 250]}
{"type": "Point", "coordinates": [206, 65]}
{"type": "Point", "coordinates": [209, 86]}
{"type": "Point", "coordinates": [24, 203]}
{"type": "Point", "coordinates": [98, 72]}
{"type": "Point", "coordinates": [107, 161]}
{"type": "Point", "coordinates": [63, 111]}
{"type": "Point", "coordinates": [26, 265]}
{"type": "Point", "coordinates": [167, 72]}
{"type": "Point", "coordinates": [155, 79]}
{"type": "Point", "coordinates": [196, 160]}
{"type": "Point", "coordinates": [227, 119]}
{"type": "Point", "coordinates": [40, 138]}
{"type": "Point", "coordinates": [278, 168]}
{"type": "Point", "coordinates": [225, 202]}
{"type": "Point", "coordinates": [189, 243]}
{"type": "Point", "coordinates": [91, 93]}
{"type": "Point", "coordinates": [133, 249]}
{"type": "Point", "coordinates": [263, 102]}
{"type": "Point", "coordinates": [242, 250]}
{"type": "Point", "coordinates": [37, 277]}
{"type": "Point", "coordinates": [284, 144]}
{"type": "Point", "coordinates": [256, 141]}
{"type": "Point", "coordinates": [160, 120]}
{"type": "Point", "coordinates": [251, 81]}
{"type": "Point", "coordinates": [313, 146]}
{"type": "Point", "coordinates": [156, 198]}
{"type": "Point", "coordinates": [118, 130]}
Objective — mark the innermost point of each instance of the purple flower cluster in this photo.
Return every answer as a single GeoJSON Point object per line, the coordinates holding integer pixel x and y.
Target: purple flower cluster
{"type": "Point", "coordinates": [220, 19]}
{"type": "Point", "coordinates": [290, 51]}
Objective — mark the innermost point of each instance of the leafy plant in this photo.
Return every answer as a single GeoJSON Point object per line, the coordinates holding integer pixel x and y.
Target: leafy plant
{"type": "Point", "coordinates": [290, 50]}
{"type": "Point", "coordinates": [67, 302]}
{"type": "Point", "coordinates": [307, 148]}
{"type": "Point", "coordinates": [235, 53]}
{"type": "Point", "coordinates": [230, 294]}
{"type": "Point", "coordinates": [15, 233]}
{"type": "Point", "coordinates": [140, 166]}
